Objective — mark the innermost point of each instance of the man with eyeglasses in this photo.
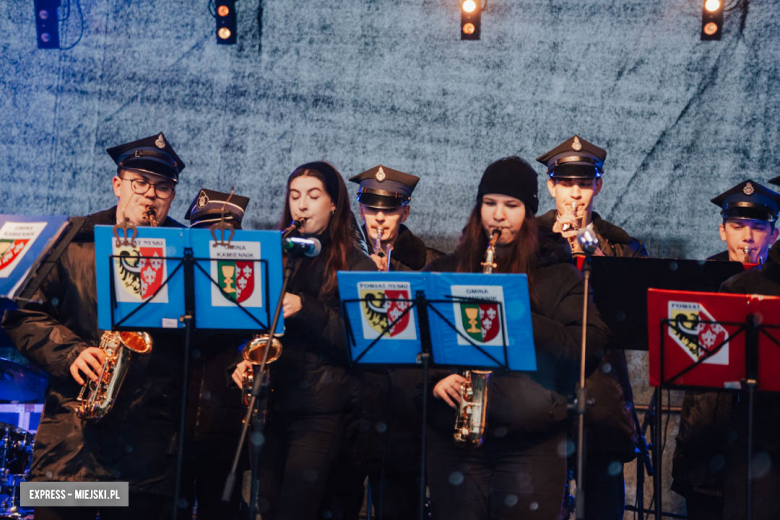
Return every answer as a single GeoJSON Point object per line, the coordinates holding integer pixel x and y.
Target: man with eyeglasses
{"type": "Point", "coordinates": [136, 441]}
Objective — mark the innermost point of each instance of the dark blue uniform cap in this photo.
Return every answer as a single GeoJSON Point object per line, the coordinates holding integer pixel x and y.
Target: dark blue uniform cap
{"type": "Point", "coordinates": [152, 154]}
{"type": "Point", "coordinates": [574, 158]}
{"type": "Point", "coordinates": [749, 200]}
{"type": "Point", "coordinates": [775, 181]}
{"type": "Point", "coordinates": [384, 188]}
{"type": "Point", "coordinates": [207, 207]}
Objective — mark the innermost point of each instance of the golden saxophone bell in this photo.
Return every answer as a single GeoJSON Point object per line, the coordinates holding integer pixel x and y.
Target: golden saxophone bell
{"type": "Point", "coordinates": [254, 352]}
{"type": "Point", "coordinates": [98, 397]}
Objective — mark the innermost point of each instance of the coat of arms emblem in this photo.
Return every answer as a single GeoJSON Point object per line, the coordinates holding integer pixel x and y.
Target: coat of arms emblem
{"type": "Point", "coordinates": [236, 279]}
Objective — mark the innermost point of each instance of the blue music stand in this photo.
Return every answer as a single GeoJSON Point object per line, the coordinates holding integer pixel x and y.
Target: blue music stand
{"type": "Point", "coordinates": [459, 318]}
{"type": "Point", "coordinates": [24, 243]}
{"type": "Point", "coordinates": [151, 278]}
{"type": "Point", "coordinates": [235, 285]}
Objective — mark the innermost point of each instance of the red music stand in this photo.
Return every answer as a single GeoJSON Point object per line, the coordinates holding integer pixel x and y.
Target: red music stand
{"type": "Point", "coordinates": [714, 341]}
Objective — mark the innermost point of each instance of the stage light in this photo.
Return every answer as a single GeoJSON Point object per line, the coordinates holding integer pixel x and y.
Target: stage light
{"type": "Point", "coordinates": [226, 22]}
{"type": "Point", "coordinates": [471, 18]}
{"type": "Point", "coordinates": [711, 20]}
{"type": "Point", "coordinates": [712, 5]}
{"type": "Point", "coordinates": [47, 25]}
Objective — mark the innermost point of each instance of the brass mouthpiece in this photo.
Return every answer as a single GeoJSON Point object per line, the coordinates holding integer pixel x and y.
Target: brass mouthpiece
{"type": "Point", "coordinates": [151, 216]}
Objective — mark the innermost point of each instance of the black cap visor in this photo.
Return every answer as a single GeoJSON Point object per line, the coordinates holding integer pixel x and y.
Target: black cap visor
{"type": "Point", "coordinates": [382, 201]}
{"type": "Point", "coordinates": [750, 213]}
{"type": "Point", "coordinates": [151, 165]}
{"type": "Point", "coordinates": [575, 171]}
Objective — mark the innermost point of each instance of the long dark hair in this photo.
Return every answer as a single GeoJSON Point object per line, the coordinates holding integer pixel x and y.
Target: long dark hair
{"type": "Point", "coordinates": [342, 228]}
{"type": "Point", "coordinates": [521, 256]}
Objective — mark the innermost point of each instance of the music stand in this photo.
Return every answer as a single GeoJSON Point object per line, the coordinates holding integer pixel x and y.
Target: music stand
{"type": "Point", "coordinates": [712, 341]}
{"type": "Point", "coordinates": [25, 245]}
{"type": "Point", "coordinates": [620, 293]}
{"type": "Point", "coordinates": [151, 279]}
{"type": "Point", "coordinates": [417, 332]}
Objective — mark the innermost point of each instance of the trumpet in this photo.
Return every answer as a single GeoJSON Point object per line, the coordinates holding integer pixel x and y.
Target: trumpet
{"type": "Point", "coordinates": [378, 247]}
{"type": "Point", "coordinates": [98, 397]}
{"type": "Point", "coordinates": [254, 352]}
{"type": "Point", "coordinates": [566, 226]}
{"type": "Point", "coordinates": [747, 258]}
{"type": "Point", "coordinates": [471, 417]}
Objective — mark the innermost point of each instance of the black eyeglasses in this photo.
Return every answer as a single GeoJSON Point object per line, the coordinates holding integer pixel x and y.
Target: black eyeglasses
{"type": "Point", "coordinates": [164, 190]}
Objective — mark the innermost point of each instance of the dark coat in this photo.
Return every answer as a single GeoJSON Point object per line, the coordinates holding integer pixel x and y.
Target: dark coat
{"type": "Point", "coordinates": [613, 240]}
{"type": "Point", "coordinates": [610, 419]}
{"type": "Point", "coordinates": [535, 402]}
{"type": "Point", "coordinates": [409, 252]}
{"type": "Point", "coordinates": [312, 377]}
{"type": "Point", "coordinates": [711, 421]}
{"type": "Point", "coordinates": [136, 441]}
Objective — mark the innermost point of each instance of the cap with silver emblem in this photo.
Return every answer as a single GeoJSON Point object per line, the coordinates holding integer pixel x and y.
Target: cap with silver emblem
{"type": "Point", "coordinates": [207, 207]}
{"type": "Point", "coordinates": [749, 200]}
{"type": "Point", "coordinates": [574, 158]}
{"type": "Point", "coordinates": [383, 187]}
{"type": "Point", "coordinates": [153, 154]}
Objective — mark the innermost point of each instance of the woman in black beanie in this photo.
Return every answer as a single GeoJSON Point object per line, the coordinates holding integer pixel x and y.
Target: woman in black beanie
{"type": "Point", "coordinates": [520, 470]}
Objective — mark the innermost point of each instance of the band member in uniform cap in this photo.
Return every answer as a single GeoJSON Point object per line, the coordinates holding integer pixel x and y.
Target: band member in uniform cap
{"type": "Point", "coordinates": [136, 441]}
{"type": "Point", "coordinates": [384, 196]}
{"type": "Point", "coordinates": [215, 408]}
{"type": "Point", "coordinates": [575, 169]}
{"type": "Point", "coordinates": [749, 212]}
{"type": "Point", "coordinates": [210, 206]}
{"type": "Point", "coordinates": [388, 426]}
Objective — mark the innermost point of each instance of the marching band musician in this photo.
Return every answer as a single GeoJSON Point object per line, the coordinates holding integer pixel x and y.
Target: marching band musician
{"type": "Point", "coordinates": [520, 470]}
{"type": "Point", "coordinates": [387, 425]}
{"type": "Point", "coordinates": [575, 169]}
{"type": "Point", "coordinates": [312, 386]}
{"type": "Point", "coordinates": [136, 441]}
{"type": "Point", "coordinates": [747, 228]}
{"type": "Point", "coordinates": [749, 212]}
{"type": "Point", "coordinates": [214, 406]}
{"type": "Point", "coordinates": [384, 196]}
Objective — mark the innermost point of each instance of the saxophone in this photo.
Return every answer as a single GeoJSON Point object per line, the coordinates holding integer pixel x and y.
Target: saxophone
{"type": "Point", "coordinates": [253, 352]}
{"type": "Point", "coordinates": [98, 397]}
{"type": "Point", "coordinates": [471, 417]}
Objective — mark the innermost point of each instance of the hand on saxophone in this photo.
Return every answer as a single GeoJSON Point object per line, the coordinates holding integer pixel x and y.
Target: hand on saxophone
{"type": "Point", "coordinates": [238, 373]}
{"type": "Point", "coordinates": [449, 389]}
{"type": "Point", "coordinates": [90, 358]}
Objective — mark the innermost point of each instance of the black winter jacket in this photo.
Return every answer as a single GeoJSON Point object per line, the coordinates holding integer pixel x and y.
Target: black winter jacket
{"type": "Point", "coordinates": [535, 402]}
{"type": "Point", "coordinates": [136, 441]}
{"type": "Point", "coordinates": [610, 418]}
{"type": "Point", "coordinates": [312, 377]}
{"type": "Point", "coordinates": [710, 421]}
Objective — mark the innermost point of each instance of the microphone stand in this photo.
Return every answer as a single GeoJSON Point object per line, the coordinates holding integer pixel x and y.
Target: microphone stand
{"type": "Point", "coordinates": [259, 389]}
{"type": "Point", "coordinates": [589, 242]}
